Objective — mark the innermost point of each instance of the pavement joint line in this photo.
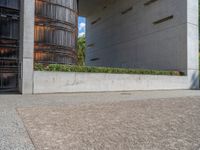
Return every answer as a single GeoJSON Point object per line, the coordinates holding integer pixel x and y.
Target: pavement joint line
{"type": "Point", "coordinates": [29, 136]}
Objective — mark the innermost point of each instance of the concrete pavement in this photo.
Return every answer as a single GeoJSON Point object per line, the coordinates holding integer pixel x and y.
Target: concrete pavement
{"type": "Point", "coordinates": [14, 135]}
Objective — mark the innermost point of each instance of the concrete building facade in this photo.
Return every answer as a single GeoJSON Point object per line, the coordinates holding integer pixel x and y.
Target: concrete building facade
{"type": "Point", "coordinates": [142, 34]}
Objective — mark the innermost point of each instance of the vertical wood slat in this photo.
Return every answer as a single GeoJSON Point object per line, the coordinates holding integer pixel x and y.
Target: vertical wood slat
{"type": "Point", "coordinates": [55, 28]}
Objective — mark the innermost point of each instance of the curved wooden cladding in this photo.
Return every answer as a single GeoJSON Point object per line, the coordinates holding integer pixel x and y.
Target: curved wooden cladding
{"type": "Point", "coordinates": [56, 31]}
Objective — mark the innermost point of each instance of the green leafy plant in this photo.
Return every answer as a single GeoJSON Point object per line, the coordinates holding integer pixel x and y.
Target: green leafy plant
{"type": "Point", "coordinates": [81, 46]}
{"type": "Point", "coordinates": [70, 68]}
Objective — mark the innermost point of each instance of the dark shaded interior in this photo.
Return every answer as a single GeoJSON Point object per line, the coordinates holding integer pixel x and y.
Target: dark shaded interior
{"type": "Point", "coordinates": [9, 45]}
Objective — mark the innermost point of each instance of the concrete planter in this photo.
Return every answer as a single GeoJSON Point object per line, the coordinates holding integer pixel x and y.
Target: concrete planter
{"type": "Point", "coordinates": [59, 82]}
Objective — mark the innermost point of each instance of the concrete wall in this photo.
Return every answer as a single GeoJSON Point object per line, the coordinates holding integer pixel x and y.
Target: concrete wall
{"type": "Point", "coordinates": [133, 40]}
{"type": "Point", "coordinates": [57, 82]}
{"type": "Point", "coordinates": [27, 12]}
{"type": "Point", "coordinates": [128, 40]}
{"type": "Point", "coordinates": [193, 41]}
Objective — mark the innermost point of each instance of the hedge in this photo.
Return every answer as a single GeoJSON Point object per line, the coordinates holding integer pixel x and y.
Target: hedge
{"type": "Point", "coordinates": [70, 68]}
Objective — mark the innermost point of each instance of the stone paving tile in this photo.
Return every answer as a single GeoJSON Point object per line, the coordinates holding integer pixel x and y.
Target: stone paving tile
{"type": "Point", "coordinates": [163, 124]}
{"type": "Point", "coordinates": [13, 135]}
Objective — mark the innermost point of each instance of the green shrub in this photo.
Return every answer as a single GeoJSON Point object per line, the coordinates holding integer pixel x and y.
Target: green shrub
{"type": "Point", "coordinates": [70, 68]}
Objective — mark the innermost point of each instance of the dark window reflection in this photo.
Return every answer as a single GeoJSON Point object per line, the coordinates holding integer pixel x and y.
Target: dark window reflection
{"type": "Point", "coordinates": [9, 44]}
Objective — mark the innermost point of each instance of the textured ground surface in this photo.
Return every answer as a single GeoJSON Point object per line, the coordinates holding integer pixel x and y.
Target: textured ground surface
{"type": "Point", "coordinates": [145, 120]}
{"type": "Point", "coordinates": [168, 124]}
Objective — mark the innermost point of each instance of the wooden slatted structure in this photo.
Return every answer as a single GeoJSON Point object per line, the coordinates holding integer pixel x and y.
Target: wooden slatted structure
{"type": "Point", "coordinates": [55, 31]}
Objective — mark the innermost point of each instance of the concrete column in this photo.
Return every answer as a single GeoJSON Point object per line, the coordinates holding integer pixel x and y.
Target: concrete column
{"type": "Point", "coordinates": [26, 46]}
{"type": "Point", "coordinates": [193, 42]}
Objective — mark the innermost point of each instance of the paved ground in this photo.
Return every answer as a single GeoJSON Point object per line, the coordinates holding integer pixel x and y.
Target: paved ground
{"type": "Point", "coordinates": [130, 120]}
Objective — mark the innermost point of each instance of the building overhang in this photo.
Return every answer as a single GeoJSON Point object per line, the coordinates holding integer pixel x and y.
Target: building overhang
{"type": "Point", "coordinates": [88, 6]}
